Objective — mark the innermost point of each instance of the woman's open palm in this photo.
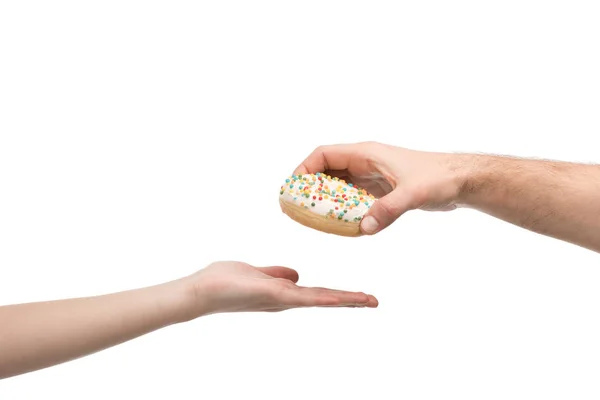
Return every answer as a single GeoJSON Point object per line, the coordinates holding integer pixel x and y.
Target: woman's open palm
{"type": "Point", "coordinates": [231, 286]}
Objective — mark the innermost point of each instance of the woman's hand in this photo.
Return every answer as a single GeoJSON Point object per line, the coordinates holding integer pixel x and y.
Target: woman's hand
{"type": "Point", "coordinates": [42, 334]}
{"type": "Point", "coordinates": [231, 286]}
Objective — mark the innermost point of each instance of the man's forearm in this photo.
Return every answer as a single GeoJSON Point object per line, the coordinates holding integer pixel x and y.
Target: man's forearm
{"type": "Point", "coordinates": [557, 199]}
{"type": "Point", "coordinates": [39, 335]}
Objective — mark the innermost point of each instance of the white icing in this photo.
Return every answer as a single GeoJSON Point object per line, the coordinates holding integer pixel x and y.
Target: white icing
{"type": "Point", "coordinates": [324, 192]}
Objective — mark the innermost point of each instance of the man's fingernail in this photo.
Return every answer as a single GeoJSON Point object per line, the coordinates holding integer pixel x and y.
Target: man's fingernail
{"type": "Point", "coordinates": [369, 225]}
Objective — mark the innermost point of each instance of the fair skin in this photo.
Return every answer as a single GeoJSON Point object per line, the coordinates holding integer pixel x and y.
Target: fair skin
{"type": "Point", "coordinates": [556, 199]}
{"type": "Point", "coordinates": [42, 334]}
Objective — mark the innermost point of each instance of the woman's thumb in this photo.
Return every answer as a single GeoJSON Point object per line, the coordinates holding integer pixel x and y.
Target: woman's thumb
{"type": "Point", "coordinates": [384, 211]}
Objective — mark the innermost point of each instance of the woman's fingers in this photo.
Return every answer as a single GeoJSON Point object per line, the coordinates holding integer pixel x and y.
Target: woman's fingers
{"type": "Point", "coordinates": [280, 272]}
{"type": "Point", "coordinates": [321, 297]}
{"type": "Point", "coordinates": [373, 302]}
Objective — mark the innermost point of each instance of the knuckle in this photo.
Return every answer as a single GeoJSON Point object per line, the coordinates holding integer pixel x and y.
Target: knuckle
{"type": "Point", "coordinates": [369, 142]}
{"type": "Point", "coordinates": [372, 151]}
{"type": "Point", "coordinates": [389, 208]}
{"type": "Point", "coordinates": [373, 145]}
{"type": "Point", "coordinates": [321, 149]}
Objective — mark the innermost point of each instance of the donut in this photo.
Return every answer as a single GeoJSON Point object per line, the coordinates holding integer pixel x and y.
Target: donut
{"type": "Point", "coordinates": [324, 203]}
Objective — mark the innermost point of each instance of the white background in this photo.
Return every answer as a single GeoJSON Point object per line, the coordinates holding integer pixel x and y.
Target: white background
{"type": "Point", "coordinates": [140, 141]}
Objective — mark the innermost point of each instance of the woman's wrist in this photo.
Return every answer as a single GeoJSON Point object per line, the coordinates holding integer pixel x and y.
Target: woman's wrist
{"type": "Point", "coordinates": [175, 301]}
{"type": "Point", "coordinates": [190, 297]}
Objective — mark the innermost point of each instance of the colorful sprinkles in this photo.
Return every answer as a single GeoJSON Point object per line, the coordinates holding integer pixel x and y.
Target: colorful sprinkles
{"type": "Point", "coordinates": [332, 197]}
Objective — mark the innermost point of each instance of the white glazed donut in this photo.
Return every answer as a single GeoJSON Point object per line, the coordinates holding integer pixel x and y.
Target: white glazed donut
{"type": "Point", "coordinates": [325, 203]}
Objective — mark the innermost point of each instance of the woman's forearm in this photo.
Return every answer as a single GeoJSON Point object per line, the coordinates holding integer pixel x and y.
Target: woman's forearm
{"type": "Point", "coordinates": [557, 199]}
{"type": "Point", "coordinates": [39, 335]}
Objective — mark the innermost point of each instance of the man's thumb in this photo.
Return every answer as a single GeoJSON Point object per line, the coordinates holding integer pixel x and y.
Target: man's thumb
{"type": "Point", "coordinates": [384, 211]}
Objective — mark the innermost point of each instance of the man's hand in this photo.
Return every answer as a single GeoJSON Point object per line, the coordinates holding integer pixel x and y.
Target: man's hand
{"type": "Point", "coordinates": [553, 198]}
{"type": "Point", "coordinates": [403, 179]}
{"type": "Point", "coordinates": [238, 287]}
